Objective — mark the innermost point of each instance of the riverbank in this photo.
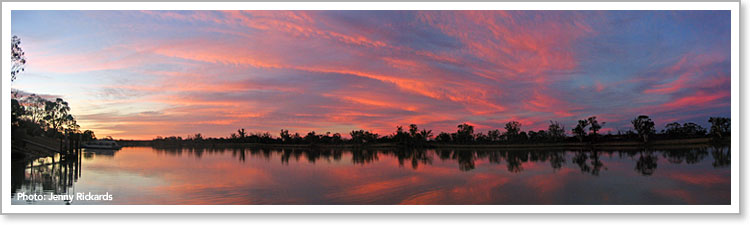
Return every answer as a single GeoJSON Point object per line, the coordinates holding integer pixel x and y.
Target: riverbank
{"type": "Point", "coordinates": [618, 145]}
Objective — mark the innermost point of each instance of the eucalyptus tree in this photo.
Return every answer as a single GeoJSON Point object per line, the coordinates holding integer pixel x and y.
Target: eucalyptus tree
{"type": "Point", "coordinates": [644, 126]}
{"type": "Point", "coordinates": [580, 130]}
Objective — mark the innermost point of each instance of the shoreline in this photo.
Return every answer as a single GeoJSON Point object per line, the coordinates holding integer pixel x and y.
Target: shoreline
{"type": "Point", "coordinates": [619, 145]}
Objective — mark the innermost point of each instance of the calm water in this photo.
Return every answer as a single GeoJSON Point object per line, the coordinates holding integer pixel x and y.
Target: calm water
{"type": "Point", "coordinates": [145, 175]}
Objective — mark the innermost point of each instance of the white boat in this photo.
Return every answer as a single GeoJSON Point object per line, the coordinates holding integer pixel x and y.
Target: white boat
{"type": "Point", "coordinates": [102, 144]}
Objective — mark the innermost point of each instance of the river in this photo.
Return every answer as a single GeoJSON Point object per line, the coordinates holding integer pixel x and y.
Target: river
{"type": "Point", "coordinates": [146, 175]}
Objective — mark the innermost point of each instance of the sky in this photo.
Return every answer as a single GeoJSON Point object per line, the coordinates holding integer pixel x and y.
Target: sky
{"type": "Point", "coordinates": [142, 74]}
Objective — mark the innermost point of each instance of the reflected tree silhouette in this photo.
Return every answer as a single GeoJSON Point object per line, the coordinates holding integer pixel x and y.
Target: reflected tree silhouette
{"type": "Point", "coordinates": [647, 163]}
{"type": "Point", "coordinates": [691, 156]}
{"type": "Point", "coordinates": [515, 160]}
{"type": "Point", "coordinates": [722, 157]}
{"type": "Point", "coordinates": [596, 163]}
{"type": "Point", "coordinates": [415, 156]}
{"type": "Point", "coordinates": [444, 154]}
{"type": "Point", "coordinates": [557, 160]}
{"type": "Point", "coordinates": [580, 159]}
{"type": "Point", "coordinates": [364, 156]}
{"type": "Point", "coordinates": [589, 161]}
{"type": "Point", "coordinates": [465, 160]}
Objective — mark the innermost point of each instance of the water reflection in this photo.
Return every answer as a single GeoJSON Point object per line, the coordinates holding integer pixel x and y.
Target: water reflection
{"type": "Point", "coordinates": [146, 175]}
{"type": "Point", "coordinates": [43, 176]}
{"type": "Point", "coordinates": [588, 161]}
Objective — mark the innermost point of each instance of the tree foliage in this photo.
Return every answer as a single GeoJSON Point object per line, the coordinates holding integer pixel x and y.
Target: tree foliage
{"type": "Point", "coordinates": [720, 126]}
{"type": "Point", "coordinates": [686, 130]}
{"type": "Point", "coordinates": [644, 126]}
{"type": "Point", "coordinates": [17, 57]}
{"type": "Point", "coordinates": [555, 131]}
{"type": "Point", "coordinates": [580, 130]}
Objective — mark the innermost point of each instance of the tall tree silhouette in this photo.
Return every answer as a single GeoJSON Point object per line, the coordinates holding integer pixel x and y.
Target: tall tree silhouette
{"type": "Point", "coordinates": [555, 131]}
{"type": "Point", "coordinates": [580, 130]}
{"type": "Point", "coordinates": [644, 126]}
{"type": "Point", "coordinates": [594, 125]}
{"type": "Point", "coordinates": [58, 114]}
{"type": "Point", "coordinates": [512, 130]}
{"type": "Point", "coordinates": [465, 133]}
{"type": "Point", "coordinates": [720, 126]}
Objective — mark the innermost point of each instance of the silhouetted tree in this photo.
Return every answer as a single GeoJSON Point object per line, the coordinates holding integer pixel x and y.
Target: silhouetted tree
{"type": "Point", "coordinates": [415, 137]}
{"type": "Point", "coordinates": [241, 133]}
{"type": "Point", "coordinates": [312, 138]}
{"type": "Point", "coordinates": [17, 57]}
{"type": "Point", "coordinates": [16, 112]}
{"type": "Point", "coordinates": [512, 130]}
{"type": "Point", "coordinates": [533, 136]}
{"type": "Point", "coordinates": [425, 135]}
{"type": "Point", "coordinates": [481, 138]}
{"type": "Point", "coordinates": [35, 108]}
{"type": "Point", "coordinates": [465, 133]}
{"type": "Point", "coordinates": [523, 137]}
{"type": "Point", "coordinates": [363, 137]}
{"type": "Point", "coordinates": [336, 139]}
{"type": "Point", "coordinates": [494, 135]}
{"type": "Point", "coordinates": [693, 130]}
{"type": "Point", "coordinates": [555, 131]}
{"type": "Point", "coordinates": [720, 127]}
{"type": "Point", "coordinates": [594, 125]}
{"type": "Point", "coordinates": [401, 137]}
{"type": "Point", "coordinates": [580, 129]}
{"type": "Point", "coordinates": [88, 135]}
{"type": "Point", "coordinates": [285, 136]}
{"type": "Point", "coordinates": [413, 130]}
{"type": "Point", "coordinates": [675, 130]}
{"type": "Point", "coordinates": [443, 138]}
{"type": "Point", "coordinates": [644, 126]}
{"type": "Point", "coordinates": [57, 115]}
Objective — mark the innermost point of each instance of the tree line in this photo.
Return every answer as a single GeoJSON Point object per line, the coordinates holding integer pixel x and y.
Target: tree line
{"type": "Point", "coordinates": [586, 130]}
{"type": "Point", "coordinates": [37, 116]}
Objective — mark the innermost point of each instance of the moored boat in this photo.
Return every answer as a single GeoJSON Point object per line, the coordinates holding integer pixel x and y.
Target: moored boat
{"type": "Point", "coordinates": [102, 144]}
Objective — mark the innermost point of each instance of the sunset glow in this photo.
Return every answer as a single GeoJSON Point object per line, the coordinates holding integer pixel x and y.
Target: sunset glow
{"type": "Point", "coordinates": [142, 74]}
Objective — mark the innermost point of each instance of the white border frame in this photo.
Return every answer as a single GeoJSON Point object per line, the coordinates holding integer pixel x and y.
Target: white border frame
{"type": "Point", "coordinates": [735, 147]}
